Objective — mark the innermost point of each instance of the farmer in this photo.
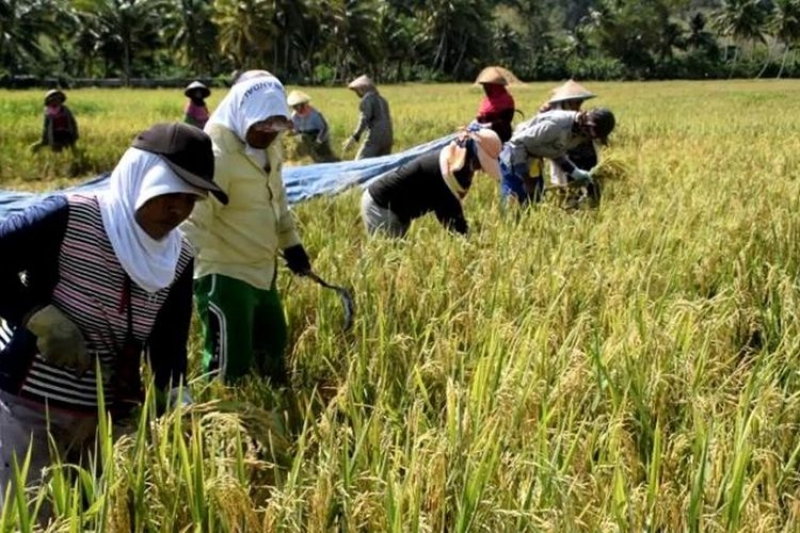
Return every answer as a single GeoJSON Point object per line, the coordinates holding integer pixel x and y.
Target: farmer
{"type": "Point", "coordinates": [310, 125]}
{"type": "Point", "coordinates": [549, 135]}
{"type": "Point", "coordinates": [436, 182]}
{"type": "Point", "coordinates": [497, 106]}
{"type": "Point", "coordinates": [238, 245]}
{"type": "Point", "coordinates": [92, 282]}
{"type": "Point", "coordinates": [196, 111]}
{"type": "Point", "coordinates": [374, 119]}
{"type": "Point", "coordinates": [60, 130]}
{"type": "Point", "coordinates": [569, 97]}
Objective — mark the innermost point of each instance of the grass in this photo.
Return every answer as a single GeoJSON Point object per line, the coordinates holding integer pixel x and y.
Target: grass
{"type": "Point", "coordinates": [633, 368]}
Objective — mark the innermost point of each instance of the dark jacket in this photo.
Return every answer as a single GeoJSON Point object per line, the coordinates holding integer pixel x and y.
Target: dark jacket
{"type": "Point", "coordinates": [60, 130]}
{"type": "Point", "coordinates": [417, 188]}
{"type": "Point", "coordinates": [30, 244]}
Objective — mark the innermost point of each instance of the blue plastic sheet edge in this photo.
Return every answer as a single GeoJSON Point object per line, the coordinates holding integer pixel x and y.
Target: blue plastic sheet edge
{"type": "Point", "coordinates": [302, 182]}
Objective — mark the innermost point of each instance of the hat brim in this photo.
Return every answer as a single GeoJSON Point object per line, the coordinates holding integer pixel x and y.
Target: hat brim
{"type": "Point", "coordinates": [198, 182]}
{"type": "Point", "coordinates": [579, 98]}
{"type": "Point", "coordinates": [205, 92]}
{"type": "Point", "coordinates": [58, 95]}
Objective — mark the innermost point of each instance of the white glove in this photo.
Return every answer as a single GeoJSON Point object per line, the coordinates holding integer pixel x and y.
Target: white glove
{"type": "Point", "coordinates": [59, 340]}
{"type": "Point", "coordinates": [581, 176]}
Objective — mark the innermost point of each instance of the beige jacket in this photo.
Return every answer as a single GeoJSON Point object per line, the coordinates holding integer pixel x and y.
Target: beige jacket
{"type": "Point", "coordinates": [242, 239]}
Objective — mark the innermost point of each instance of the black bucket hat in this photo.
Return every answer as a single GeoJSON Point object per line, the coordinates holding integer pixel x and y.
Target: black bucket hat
{"type": "Point", "coordinates": [187, 150]}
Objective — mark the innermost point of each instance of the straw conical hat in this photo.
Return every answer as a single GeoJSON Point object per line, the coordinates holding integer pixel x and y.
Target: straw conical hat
{"type": "Point", "coordinates": [491, 75]}
{"type": "Point", "coordinates": [361, 82]}
{"type": "Point", "coordinates": [502, 75]}
{"type": "Point", "coordinates": [297, 98]}
{"type": "Point", "coordinates": [571, 90]}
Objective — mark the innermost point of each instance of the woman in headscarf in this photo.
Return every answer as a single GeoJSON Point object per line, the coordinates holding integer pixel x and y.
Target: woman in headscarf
{"type": "Point", "coordinates": [238, 245]}
{"type": "Point", "coordinates": [60, 130]}
{"type": "Point", "coordinates": [497, 106]}
{"type": "Point", "coordinates": [88, 284]}
{"type": "Point", "coordinates": [374, 119]}
{"type": "Point", "coordinates": [435, 183]}
{"type": "Point", "coordinates": [196, 111]}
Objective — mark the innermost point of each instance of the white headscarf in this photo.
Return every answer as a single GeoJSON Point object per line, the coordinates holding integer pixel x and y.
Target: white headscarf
{"type": "Point", "coordinates": [248, 102]}
{"type": "Point", "coordinates": [138, 177]}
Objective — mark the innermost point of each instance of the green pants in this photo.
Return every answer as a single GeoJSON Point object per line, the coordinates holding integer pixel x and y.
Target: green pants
{"type": "Point", "coordinates": [244, 329]}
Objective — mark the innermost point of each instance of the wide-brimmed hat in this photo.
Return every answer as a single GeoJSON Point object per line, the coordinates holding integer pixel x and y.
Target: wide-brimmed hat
{"type": "Point", "coordinates": [186, 150]}
{"type": "Point", "coordinates": [297, 98]}
{"type": "Point", "coordinates": [453, 157]}
{"type": "Point", "coordinates": [571, 90]}
{"type": "Point", "coordinates": [491, 75]}
{"type": "Point", "coordinates": [204, 91]}
{"type": "Point", "coordinates": [361, 82]}
{"type": "Point", "coordinates": [55, 94]}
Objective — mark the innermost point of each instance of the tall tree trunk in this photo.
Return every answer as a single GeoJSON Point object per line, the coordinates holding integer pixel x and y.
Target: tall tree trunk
{"type": "Point", "coordinates": [783, 60]}
{"type": "Point", "coordinates": [735, 59]}
{"type": "Point", "coordinates": [126, 58]}
{"type": "Point", "coordinates": [766, 63]}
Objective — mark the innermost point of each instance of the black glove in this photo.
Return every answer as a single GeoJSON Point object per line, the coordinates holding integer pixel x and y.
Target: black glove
{"type": "Point", "coordinates": [297, 260]}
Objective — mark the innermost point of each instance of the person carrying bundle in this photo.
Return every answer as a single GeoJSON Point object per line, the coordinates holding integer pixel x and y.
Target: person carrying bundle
{"type": "Point", "coordinates": [436, 182]}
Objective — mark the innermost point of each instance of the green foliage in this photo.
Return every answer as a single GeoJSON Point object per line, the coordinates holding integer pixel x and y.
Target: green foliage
{"type": "Point", "coordinates": [330, 41]}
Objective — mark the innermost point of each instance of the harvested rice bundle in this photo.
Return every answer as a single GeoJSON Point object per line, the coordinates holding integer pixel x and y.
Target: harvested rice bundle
{"type": "Point", "coordinates": [611, 168]}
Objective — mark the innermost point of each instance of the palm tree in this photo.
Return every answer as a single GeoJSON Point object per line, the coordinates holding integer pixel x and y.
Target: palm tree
{"type": "Point", "coordinates": [785, 25]}
{"type": "Point", "coordinates": [190, 30]}
{"type": "Point", "coordinates": [22, 22]}
{"type": "Point", "coordinates": [741, 20]}
{"type": "Point", "coordinates": [351, 28]}
{"type": "Point", "coordinates": [246, 32]}
{"type": "Point", "coordinates": [456, 33]}
{"type": "Point", "coordinates": [122, 27]}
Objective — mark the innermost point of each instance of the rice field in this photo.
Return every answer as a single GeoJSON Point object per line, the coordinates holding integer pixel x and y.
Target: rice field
{"type": "Point", "coordinates": [630, 368]}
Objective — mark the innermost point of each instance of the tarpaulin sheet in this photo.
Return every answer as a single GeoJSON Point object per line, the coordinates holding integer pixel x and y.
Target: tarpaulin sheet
{"type": "Point", "coordinates": [302, 183]}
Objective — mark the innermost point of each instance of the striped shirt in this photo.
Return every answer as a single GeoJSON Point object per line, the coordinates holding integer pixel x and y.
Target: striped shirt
{"type": "Point", "coordinates": [89, 291]}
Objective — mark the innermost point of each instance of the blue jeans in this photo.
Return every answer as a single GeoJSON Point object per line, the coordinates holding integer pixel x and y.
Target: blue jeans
{"type": "Point", "coordinates": [512, 185]}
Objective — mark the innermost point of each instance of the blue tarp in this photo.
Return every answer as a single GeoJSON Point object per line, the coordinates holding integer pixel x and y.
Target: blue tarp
{"type": "Point", "coordinates": [302, 183]}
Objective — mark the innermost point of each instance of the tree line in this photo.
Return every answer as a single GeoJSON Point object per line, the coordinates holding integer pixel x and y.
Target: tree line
{"type": "Point", "coordinates": [329, 41]}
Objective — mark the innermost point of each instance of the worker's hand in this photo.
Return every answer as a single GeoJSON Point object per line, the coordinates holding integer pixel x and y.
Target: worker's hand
{"type": "Point", "coordinates": [297, 260]}
{"type": "Point", "coordinates": [581, 177]}
{"type": "Point", "coordinates": [348, 144]}
{"type": "Point", "coordinates": [59, 340]}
